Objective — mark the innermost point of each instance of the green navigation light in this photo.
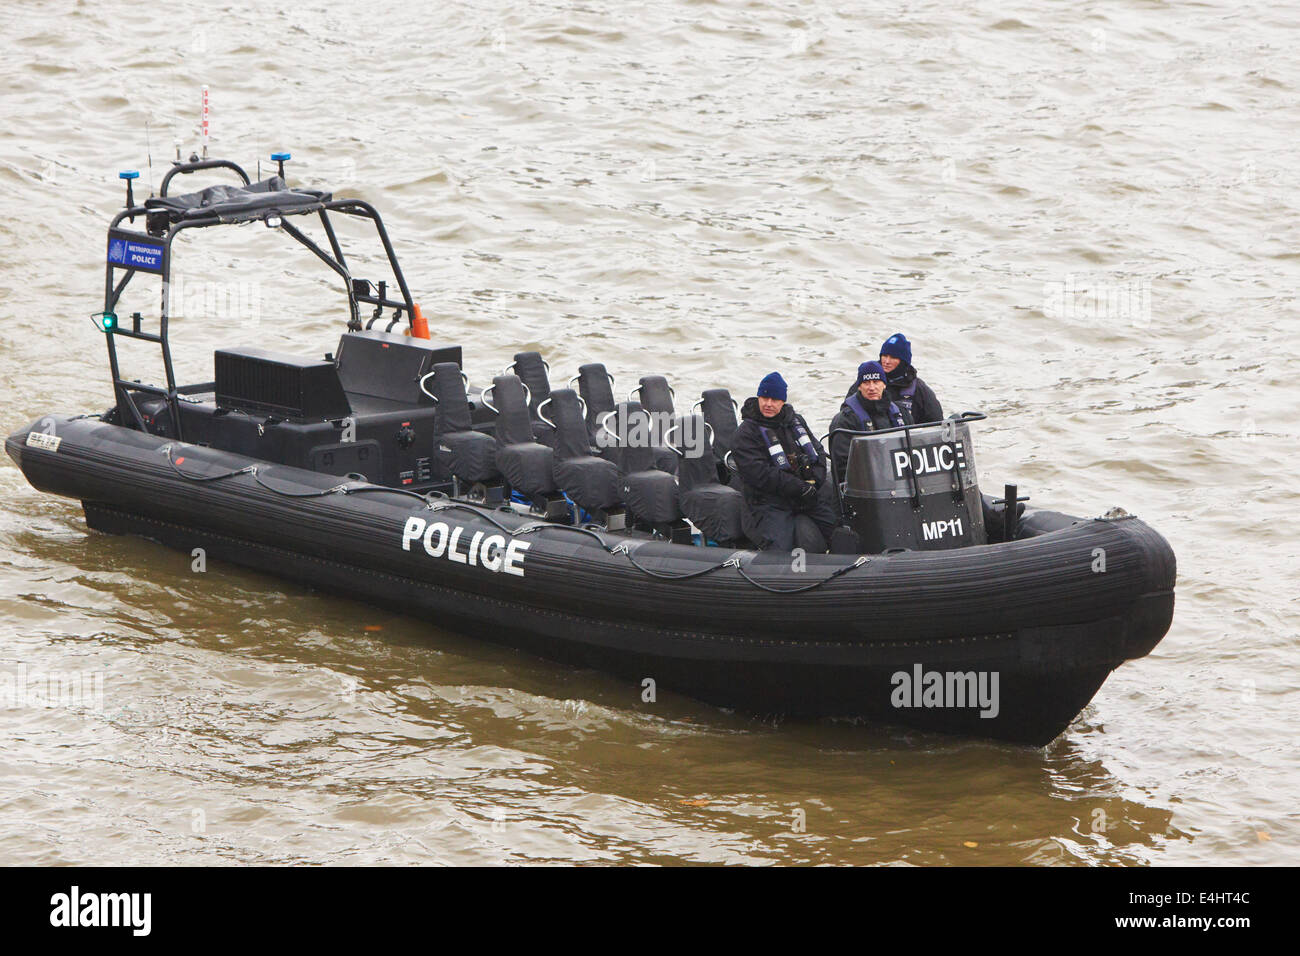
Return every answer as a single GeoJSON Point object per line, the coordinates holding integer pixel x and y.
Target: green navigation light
{"type": "Point", "coordinates": [105, 321]}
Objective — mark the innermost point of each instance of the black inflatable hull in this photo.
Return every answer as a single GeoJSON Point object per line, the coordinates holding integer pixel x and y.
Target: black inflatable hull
{"type": "Point", "coordinates": [1007, 641]}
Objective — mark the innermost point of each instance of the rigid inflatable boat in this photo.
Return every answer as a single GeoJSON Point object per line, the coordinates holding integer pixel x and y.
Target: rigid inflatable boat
{"type": "Point", "coordinates": [601, 533]}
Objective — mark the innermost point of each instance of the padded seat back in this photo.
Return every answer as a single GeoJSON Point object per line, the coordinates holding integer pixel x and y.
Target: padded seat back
{"type": "Point", "coordinates": [635, 453]}
{"type": "Point", "coordinates": [719, 411]}
{"type": "Point", "coordinates": [565, 412]}
{"type": "Point", "coordinates": [596, 386]}
{"type": "Point", "coordinates": [446, 385]}
{"type": "Point", "coordinates": [531, 369]}
{"type": "Point", "coordinates": [656, 395]}
{"type": "Point", "coordinates": [697, 465]}
{"type": "Point", "coordinates": [514, 425]}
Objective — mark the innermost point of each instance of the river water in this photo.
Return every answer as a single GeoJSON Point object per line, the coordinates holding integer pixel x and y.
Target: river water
{"type": "Point", "coordinates": [1084, 216]}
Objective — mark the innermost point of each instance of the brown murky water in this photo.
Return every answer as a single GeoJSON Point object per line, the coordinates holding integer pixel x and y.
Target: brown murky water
{"type": "Point", "coordinates": [708, 190]}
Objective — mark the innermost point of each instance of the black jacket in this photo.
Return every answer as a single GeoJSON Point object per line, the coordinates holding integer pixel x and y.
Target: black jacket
{"type": "Point", "coordinates": [848, 418]}
{"type": "Point", "coordinates": [749, 450]}
{"type": "Point", "coordinates": [924, 405]}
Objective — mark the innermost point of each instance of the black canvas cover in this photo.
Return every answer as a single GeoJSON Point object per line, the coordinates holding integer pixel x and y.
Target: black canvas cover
{"type": "Point", "coordinates": [448, 388]}
{"type": "Point", "coordinates": [651, 496]}
{"type": "Point", "coordinates": [527, 467]}
{"type": "Point", "coordinates": [592, 483]}
{"type": "Point", "coordinates": [720, 412]}
{"type": "Point", "coordinates": [239, 203]}
{"type": "Point", "coordinates": [513, 424]}
{"type": "Point", "coordinates": [596, 387]}
{"type": "Point", "coordinates": [468, 455]}
{"type": "Point", "coordinates": [716, 510]}
{"type": "Point", "coordinates": [656, 396]}
{"type": "Point", "coordinates": [713, 508]}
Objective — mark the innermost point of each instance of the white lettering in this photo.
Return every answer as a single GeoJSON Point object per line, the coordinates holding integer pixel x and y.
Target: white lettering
{"type": "Point", "coordinates": [73, 909]}
{"type": "Point", "coordinates": [441, 528]}
{"type": "Point", "coordinates": [414, 528]}
{"type": "Point", "coordinates": [514, 563]}
{"type": "Point", "coordinates": [490, 551]}
{"type": "Point", "coordinates": [490, 555]}
{"type": "Point", "coordinates": [452, 553]}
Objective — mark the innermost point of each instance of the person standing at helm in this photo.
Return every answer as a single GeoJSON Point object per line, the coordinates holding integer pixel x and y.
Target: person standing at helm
{"type": "Point", "coordinates": [866, 409]}
{"type": "Point", "coordinates": [904, 389]}
{"type": "Point", "coordinates": [782, 468]}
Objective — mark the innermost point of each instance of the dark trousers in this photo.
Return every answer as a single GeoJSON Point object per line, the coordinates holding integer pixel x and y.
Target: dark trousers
{"type": "Point", "coordinates": [769, 521]}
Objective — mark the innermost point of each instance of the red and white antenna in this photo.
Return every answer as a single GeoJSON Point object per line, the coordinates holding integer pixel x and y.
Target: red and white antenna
{"type": "Point", "coordinates": [203, 123]}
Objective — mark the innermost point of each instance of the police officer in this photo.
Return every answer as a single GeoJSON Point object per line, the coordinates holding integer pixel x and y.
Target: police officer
{"type": "Point", "coordinates": [907, 391]}
{"type": "Point", "coordinates": [867, 408]}
{"type": "Point", "coordinates": [782, 468]}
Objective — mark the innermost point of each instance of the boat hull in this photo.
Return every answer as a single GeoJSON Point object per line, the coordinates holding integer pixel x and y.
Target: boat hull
{"type": "Point", "coordinates": [1006, 641]}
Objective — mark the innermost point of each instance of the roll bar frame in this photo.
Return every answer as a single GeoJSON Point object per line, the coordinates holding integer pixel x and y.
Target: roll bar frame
{"type": "Point", "coordinates": [160, 224]}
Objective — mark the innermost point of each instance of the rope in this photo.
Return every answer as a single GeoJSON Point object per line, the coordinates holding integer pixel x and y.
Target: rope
{"type": "Point", "coordinates": [862, 559]}
{"type": "Point", "coordinates": [624, 549]}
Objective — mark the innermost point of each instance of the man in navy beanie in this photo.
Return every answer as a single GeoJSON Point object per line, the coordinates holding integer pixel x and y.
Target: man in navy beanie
{"type": "Point", "coordinates": [904, 389]}
{"type": "Point", "coordinates": [866, 409]}
{"type": "Point", "coordinates": [783, 471]}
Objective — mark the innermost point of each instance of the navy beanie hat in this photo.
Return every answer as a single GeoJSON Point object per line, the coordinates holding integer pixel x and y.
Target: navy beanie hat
{"type": "Point", "coordinates": [898, 346]}
{"type": "Point", "coordinates": [871, 372]}
{"type": "Point", "coordinates": [772, 386]}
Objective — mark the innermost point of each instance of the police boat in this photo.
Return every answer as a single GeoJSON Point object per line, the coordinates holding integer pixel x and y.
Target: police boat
{"type": "Point", "coordinates": [544, 518]}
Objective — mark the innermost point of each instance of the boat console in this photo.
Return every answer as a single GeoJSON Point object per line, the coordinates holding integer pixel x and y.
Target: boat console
{"type": "Point", "coordinates": [360, 411]}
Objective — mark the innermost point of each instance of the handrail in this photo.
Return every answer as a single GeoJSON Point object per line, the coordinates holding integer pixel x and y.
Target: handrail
{"type": "Point", "coordinates": [543, 417]}
{"type": "Point", "coordinates": [423, 379]}
{"type": "Point", "coordinates": [673, 428]}
{"type": "Point", "coordinates": [194, 167]}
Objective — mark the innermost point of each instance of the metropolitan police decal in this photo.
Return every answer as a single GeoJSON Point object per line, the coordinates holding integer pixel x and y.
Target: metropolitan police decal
{"type": "Point", "coordinates": [135, 250]}
{"type": "Point", "coordinates": [930, 459]}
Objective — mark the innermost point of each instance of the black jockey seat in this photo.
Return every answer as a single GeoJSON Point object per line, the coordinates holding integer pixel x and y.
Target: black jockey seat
{"type": "Point", "coordinates": [526, 465]}
{"type": "Point", "coordinates": [650, 494]}
{"type": "Point", "coordinates": [713, 508]}
{"type": "Point", "coordinates": [719, 410]}
{"type": "Point", "coordinates": [534, 373]}
{"type": "Point", "coordinates": [459, 451]}
{"type": "Point", "coordinates": [592, 483]}
{"type": "Point", "coordinates": [657, 398]}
